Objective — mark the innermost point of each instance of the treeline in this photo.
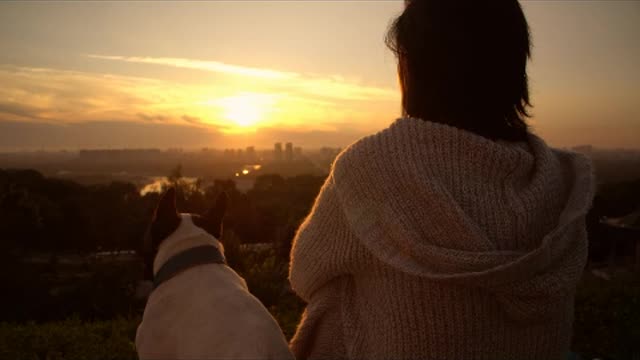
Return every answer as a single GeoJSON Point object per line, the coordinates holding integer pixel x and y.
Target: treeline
{"type": "Point", "coordinates": [49, 228]}
{"type": "Point", "coordinates": [39, 214]}
{"type": "Point", "coordinates": [46, 223]}
{"type": "Point", "coordinates": [50, 215]}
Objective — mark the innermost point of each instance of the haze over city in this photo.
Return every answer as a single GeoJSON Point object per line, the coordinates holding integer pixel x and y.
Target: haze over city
{"type": "Point", "coordinates": [236, 74]}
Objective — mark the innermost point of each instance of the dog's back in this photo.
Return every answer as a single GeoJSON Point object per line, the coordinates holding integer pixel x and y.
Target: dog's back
{"type": "Point", "coordinates": [206, 312]}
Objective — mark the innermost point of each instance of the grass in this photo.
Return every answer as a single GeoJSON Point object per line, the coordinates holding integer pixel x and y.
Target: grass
{"type": "Point", "coordinates": [607, 325]}
{"type": "Point", "coordinates": [70, 339]}
{"type": "Point", "coordinates": [74, 339]}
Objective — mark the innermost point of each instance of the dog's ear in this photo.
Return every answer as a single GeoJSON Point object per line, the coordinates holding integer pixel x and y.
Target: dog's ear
{"type": "Point", "coordinates": [165, 221]}
{"type": "Point", "coordinates": [220, 206]}
{"type": "Point", "coordinates": [213, 218]}
{"type": "Point", "coordinates": [166, 208]}
{"type": "Point", "coordinates": [165, 218]}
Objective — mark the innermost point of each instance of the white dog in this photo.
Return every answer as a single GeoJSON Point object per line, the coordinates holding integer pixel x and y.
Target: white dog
{"type": "Point", "coordinates": [200, 308]}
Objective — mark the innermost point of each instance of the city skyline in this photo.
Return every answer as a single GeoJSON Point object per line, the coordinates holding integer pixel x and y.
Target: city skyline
{"type": "Point", "coordinates": [191, 75]}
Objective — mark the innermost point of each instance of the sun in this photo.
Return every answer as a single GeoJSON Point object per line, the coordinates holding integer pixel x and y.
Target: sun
{"type": "Point", "coordinates": [245, 110]}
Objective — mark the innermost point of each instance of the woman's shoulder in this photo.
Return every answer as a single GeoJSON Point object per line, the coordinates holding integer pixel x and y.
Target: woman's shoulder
{"type": "Point", "coordinates": [374, 147]}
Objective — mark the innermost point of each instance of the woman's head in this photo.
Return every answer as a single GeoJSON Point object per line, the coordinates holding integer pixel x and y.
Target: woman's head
{"type": "Point", "coordinates": [463, 63]}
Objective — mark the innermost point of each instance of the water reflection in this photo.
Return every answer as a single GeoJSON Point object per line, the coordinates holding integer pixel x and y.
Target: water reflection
{"type": "Point", "coordinates": [158, 183]}
{"type": "Point", "coordinates": [244, 180]}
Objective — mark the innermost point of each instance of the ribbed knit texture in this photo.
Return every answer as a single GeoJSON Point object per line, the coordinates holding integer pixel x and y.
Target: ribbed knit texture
{"type": "Point", "coordinates": [430, 242]}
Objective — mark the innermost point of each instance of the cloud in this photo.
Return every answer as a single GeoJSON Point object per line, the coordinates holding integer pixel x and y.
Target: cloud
{"type": "Point", "coordinates": [318, 86]}
{"type": "Point", "coordinates": [103, 134]}
{"type": "Point", "coordinates": [191, 119]}
{"type": "Point", "coordinates": [20, 110]}
{"type": "Point", "coordinates": [152, 118]}
{"type": "Point", "coordinates": [213, 66]}
{"type": "Point", "coordinates": [21, 135]}
{"type": "Point", "coordinates": [71, 100]}
{"type": "Point", "coordinates": [63, 96]}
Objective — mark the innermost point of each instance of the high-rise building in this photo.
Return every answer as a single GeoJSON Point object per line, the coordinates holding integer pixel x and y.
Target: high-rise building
{"type": "Point", "coordinates": [288, 154]}
{"type": "Point", "coordinates": [277, 151]}
{"type": "Point", "coordinates": [229, 154]}
{"type": "Point", "coordinates": [251, 154]}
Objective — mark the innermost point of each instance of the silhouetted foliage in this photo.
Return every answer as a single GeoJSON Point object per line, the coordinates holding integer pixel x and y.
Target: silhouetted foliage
{"type": "Point", "coordinates": [71, 339]}
{"type": "Point", "coordinates": [619, 199]}
{"type": "Point", "coordinates": [607, 318]}
{"type": "Point", "coordinates": [52, 233]}
{"type": "Point", "coordinates": [56, 236]}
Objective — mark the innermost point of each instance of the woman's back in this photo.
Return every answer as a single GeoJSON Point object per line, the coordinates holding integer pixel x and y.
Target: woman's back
{"type": "Point", "coordinates": [432, 241]}
{"type": "Point", "coordinates": [455, 233]}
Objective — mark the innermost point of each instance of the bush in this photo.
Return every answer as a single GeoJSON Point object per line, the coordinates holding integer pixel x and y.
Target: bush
{"type": "Point", "coordinates": [606, 322]}
{"type": "Point", "coordinates": [70, 340]}
{"type": "Point", "coordinates": [99, 340]}
{"type": "Point", "coordinates": [43, 293]}
{"type": "Point", "coordinates": [607, 317]}
{"type": "Point", "coordinates": [288, 313]}
{"type": "Point", "coordinates": [266, 275]}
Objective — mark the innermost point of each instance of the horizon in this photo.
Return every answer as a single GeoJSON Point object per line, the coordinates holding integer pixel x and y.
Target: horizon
{"type": "Point", "coordinates": [578, 148]}
{"type": "Point", "coordinates": [193, 75]}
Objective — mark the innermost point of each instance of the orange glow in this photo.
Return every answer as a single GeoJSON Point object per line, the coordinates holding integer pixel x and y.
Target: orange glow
{"type": "Point", "coordinates": [188, 83]}
{"type": "Point", "coordinates": [245, 110]}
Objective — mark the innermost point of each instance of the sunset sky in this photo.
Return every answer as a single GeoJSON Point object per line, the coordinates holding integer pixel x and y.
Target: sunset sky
{"type": "Point", "coordinates": [237, 73]}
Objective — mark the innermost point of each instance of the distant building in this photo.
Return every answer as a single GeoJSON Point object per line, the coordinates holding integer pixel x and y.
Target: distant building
{"type": "Point", "coordinates": [119, 155]}
{"type": "Point", "coordinates": [229, 154]}
{"type": "Point", "coordinates": [251, 154]}
{"type": "Point", "coordinates": [297, 152]}
{"type": "Point", "coordinates": [277, 151]}
{"type": "Point", "coordinates": [288, 154]}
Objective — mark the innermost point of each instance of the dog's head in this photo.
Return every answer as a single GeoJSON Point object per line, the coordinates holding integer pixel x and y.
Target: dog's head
{"type": "Point", "coordinates": [166, 220]}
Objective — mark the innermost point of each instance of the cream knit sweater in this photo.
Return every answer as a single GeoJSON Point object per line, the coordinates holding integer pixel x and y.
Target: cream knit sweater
{"type": "Point", "coordinates": [431, 242]}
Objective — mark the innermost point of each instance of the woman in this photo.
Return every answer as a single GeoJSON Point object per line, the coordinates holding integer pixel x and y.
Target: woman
{"type": "Point", "coordinates": [455, 233]}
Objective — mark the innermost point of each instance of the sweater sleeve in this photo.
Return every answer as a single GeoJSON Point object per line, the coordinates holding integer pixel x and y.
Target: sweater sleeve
{"type": "Point", "coordinates": [324, 247]}
{"type": "Point", "coordinates": [324, 255]}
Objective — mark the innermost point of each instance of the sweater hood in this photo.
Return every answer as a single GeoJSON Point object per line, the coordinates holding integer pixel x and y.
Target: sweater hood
{"type": "Point", "coordinates": [445, 204]}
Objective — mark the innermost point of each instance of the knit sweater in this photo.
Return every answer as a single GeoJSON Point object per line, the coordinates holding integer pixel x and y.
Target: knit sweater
{"type": "Point", "coordinates": [431, 242]}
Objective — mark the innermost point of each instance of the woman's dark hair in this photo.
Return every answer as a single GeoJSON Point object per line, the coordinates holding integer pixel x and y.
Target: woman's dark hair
{"type": "Point", "coordinates": [463, 63]}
